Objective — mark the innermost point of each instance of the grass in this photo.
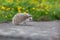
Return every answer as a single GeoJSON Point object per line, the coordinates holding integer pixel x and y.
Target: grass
{"type": "Point", "coordinates": [41, 10]}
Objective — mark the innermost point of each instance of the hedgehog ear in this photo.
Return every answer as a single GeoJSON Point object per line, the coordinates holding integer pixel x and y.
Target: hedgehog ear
{"type": "Point", "coordinates": [29, 15]}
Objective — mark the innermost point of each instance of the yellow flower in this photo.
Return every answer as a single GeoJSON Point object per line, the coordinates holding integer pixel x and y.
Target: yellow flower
{"type": "Point", "coordinates": [10, 1]}
{"type": "Point", "coordinates": [17, 3]}
{"type": "Point", "coordinates": [47, 7]}
{"type": "Point", "coordinates": [38, 5]}
{"type": "Point", "coordinates": [10, 14]}
{"type": "Point", "coordinates": [38, 9]}
{"type": "Point", "coordinates": [19, 7]}
{"type": "Point", "coordinates": [18, 0]}
{"type": "Point", "coordinates": [31, 2]}
{"type": "Point", "coordinates": [6, 16]}
{"type": "Point", "coordinates": [12, 8]}
{"type": "Point", "coordinates": [19, 11]}
{"type": "Point", "coordinates": [8, 9]}
{"type": "Point", "coordinates": [26, 10]}
{"type": "Point", "coordinates": [46, 13]}
{"type": "Point", "coordinates": [43, 1]}
{"type": "Point", "coordinates": [33, 8]}
{"type": "Point", "coordinates": [42, 5]}
{"type": "Point", "coordinates": [3, 7]}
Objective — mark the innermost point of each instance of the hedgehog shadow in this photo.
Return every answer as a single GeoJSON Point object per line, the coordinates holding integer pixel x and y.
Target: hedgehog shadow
{"type": "Point", "coordinates": [23, 25]}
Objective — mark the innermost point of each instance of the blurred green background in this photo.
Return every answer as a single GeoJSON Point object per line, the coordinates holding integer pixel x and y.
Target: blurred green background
{"type": "Point", "coordinates": [41, 10]}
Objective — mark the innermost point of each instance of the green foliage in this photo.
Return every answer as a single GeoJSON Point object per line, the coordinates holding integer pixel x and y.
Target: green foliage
{"type": "Point", "coordinates": [41, 10]}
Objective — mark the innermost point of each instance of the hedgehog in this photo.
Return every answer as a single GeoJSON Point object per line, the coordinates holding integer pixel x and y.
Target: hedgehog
{"type": "Point", "coordinates": [21, 17]}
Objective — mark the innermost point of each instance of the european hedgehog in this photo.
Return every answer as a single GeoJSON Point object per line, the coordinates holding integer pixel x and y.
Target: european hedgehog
{"type": "Point", "coordinates": [20, 17]}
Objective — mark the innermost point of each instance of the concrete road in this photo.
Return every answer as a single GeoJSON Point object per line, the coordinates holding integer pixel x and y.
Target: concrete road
{"type": "Point", "coordinates": [31, 31]}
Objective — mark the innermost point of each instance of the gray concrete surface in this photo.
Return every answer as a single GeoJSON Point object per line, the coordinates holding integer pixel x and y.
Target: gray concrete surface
{"type": "Point", "coordinates": [31, 31]}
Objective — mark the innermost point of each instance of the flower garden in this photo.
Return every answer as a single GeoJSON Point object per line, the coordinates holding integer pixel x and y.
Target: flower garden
{"type": "Point", "coordinates": [41, 10]}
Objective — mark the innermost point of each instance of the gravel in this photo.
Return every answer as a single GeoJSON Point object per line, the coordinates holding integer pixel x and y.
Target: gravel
{"type": "Point", "coordinates": [32, 31]}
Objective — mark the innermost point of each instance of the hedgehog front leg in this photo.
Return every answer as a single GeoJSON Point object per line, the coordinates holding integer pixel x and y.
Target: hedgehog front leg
{"type": "Point", "coordinates": [25, 23]}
